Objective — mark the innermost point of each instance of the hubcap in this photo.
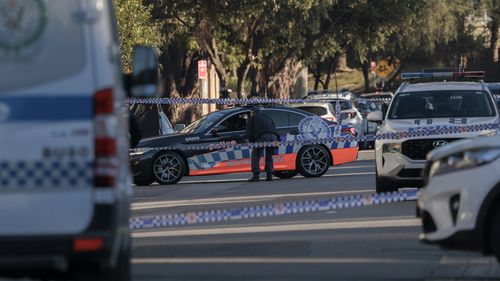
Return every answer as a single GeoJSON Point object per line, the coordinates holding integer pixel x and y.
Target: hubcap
{"type": "Point", "coordinates": [167, 168]}
{"type": "Point", "coordinates": [314, 160]}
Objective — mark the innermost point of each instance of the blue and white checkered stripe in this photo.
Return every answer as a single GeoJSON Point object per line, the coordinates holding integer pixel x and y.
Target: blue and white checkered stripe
{"type": "Point", "coordinates": [209, 160]}
{"type": "Point", "coordinates": [44, 174]}
{"type": "Point", "coordinates": [237, 101]}
{"type": "Point", "coordinates": [271, 210]}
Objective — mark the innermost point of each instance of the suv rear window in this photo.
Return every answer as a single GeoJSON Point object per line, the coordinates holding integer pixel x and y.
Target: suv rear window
{"type": "Point", "coordinates": [318, 110]}
{"type": "Point", "coordinates": [442, 104]}
{"type": "Point", "coordinates": [49, 47]}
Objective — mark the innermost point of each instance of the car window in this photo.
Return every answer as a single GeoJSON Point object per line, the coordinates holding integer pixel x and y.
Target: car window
{"type": "Point", "coordinates": [295, 118]}
{"type": "Point", "coordinates": [280, 117]}
{"type": "Point", "coordinates": [344, 104]}
{"type": "Point", "coordinates": [47, 48]}
{"type": "Point", "coordinates": [318, 110]}
{"type": "Point", "coordinates": [441, 104]}
{"type": "Point", "coordinates": [234, 123]}
{"type": "Point", "coordinates": [203, 123]}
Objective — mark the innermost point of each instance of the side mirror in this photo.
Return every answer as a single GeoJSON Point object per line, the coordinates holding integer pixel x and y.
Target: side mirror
{"type": "Point", "coordinates": [145, 77]}
{"type": "Point", "coordinates": [375, 116]}
{"type": "Point", "coordinates": [179, 127]}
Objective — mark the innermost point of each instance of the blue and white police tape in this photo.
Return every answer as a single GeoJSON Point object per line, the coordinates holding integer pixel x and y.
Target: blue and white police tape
{"type": "Point", "coordinates": [271, 210]}
{"type": "Point", "coordinates": [408, 133]}
{"type": "Point", "coordinates": [251, 101]}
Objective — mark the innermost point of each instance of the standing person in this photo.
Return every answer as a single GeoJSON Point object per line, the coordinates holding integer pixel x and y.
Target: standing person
{"type": "Point", "coordinates": [261, 128]}
{"type": "Point", "coordinates": [134, 130]}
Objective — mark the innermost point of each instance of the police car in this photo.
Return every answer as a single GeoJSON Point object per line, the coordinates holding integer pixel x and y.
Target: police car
{"type": "Point", "coordinates": [431, 106]}
{"type": "Point", "coordinates": [65, 186]}
{"type": "Point", "coordinates": [460, 204]}
{"type": "Point", "coordinates": [195, 152]}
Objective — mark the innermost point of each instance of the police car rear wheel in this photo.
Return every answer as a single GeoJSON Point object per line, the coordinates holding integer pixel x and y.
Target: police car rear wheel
{"type": "Point", "coordinates": [285, 174]}
{"type": "Point", "coordinates": [168, 167]}
{"type": "Point", "coordinates": [313, 161]}
{"type": "Point", "coordinates": [495, 233]}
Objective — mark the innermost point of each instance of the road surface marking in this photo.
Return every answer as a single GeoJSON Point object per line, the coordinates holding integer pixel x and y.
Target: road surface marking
{"type": "Point", "coordinates": [281, 228]}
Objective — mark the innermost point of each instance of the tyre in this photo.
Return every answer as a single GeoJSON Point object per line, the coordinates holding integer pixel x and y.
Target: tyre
{"type": "Point", "coordinates": [143, 182]}
{"type": "Point", "coordinates": [313, 161]}
{"type": "Point", "coordinates": [382, 185]}
{"type": "Point", "coordinates": [168, 167]}
{"type": "Point", "coordinates": [495, 234]}
{"type": "Point", "coordinates": [285, 174]}
{"type": "Point", "coordinates": [121, 271]}
{"type": "Point", "coordinates": [362, 145]}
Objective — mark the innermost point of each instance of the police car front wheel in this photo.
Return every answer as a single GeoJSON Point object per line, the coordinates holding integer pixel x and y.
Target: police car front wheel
{"type": "Point", "coordinates": [168, 167]}
{"type": "Point", "coordinates": [313, 161]}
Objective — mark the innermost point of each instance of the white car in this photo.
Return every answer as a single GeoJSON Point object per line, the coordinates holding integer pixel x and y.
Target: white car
{"type": "Point", "coordinates": [64, 177]}
{"type": "Point", "coordinates": [460, 205]}
{"type": "Point", "coordinates": [349, 113]}
{"type": "Point", "coordinates": [434, 106]}
{"type": "Point", "coordinates": [324, 110]}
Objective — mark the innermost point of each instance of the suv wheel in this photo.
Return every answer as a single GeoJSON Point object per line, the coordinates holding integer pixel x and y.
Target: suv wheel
{"type": "Point", "coordinates": [494, 234]}
{"type": "Point", "coordinates": [285, 174]}
{"type": "Point", "coordinates": [121, 271]}
{"type": "Point", "coordinates": [168, 167]}
{"type": "Point", "coordinates": [313, 161]}
{"type": "Point", "coordinates": [382, 185]}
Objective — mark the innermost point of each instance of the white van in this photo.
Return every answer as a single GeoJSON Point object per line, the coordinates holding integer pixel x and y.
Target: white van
{"type": "Point", "coordinates": [65, 185]}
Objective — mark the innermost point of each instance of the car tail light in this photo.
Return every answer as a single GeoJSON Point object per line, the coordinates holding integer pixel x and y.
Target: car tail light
{"type": "Point", "coordinates": [105, 131]}
{"type": "Point", "coordinates": [331, 118]}
{"type": "Point", "coordinates": [88, 244]}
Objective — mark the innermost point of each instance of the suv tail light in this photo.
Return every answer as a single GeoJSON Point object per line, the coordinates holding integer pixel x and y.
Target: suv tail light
{"type": "Point", "coordinates": [105, 132]}
{"type": "Point", "coordinates": [350, 130]}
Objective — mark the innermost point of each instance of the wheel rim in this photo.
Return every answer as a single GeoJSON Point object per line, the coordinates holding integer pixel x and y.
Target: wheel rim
{"type": "Point", "coordinates": [314, 160]}
{"type": "Point", "coordinates": [167, 168]}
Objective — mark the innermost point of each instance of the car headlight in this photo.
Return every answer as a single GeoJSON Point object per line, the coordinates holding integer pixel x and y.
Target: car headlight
{"type": "Point", "coordinates": [391, 148]}
{"type": "Point", "coordinates": [464, 160]}
{"type": "Point", "coordinates": [490, 133]}
{"type": "Point", "coordinates": [139, 151]}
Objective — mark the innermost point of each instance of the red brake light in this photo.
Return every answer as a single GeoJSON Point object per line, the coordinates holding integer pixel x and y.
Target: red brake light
{"type": "Point", "coordinates": [88, 244]}
{"type": "Point", "coordinates": [105, 123]}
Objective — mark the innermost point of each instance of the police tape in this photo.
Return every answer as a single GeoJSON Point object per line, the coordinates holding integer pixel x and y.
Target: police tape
{"type": "Point", "coordinates": [242, 101]}
{"type": "Point", "coordinates": [409, 133]}
{"type": "Point", "coordinates": [251, 101]}
{"type": "Point", "coordinates": [271, 210]}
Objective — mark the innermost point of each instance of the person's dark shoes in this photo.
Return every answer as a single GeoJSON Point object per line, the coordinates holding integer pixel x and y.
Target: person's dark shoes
{"type": "Point", "coordinates": [269, 177]}
{"type": "Point", "coordinates": [254, 179]}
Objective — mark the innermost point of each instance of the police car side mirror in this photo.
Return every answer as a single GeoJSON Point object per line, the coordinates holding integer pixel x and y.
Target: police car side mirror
{"type": "Point", "coordinates": [145, 76]}
{"type": "Point", "coordinates": [375, 116]}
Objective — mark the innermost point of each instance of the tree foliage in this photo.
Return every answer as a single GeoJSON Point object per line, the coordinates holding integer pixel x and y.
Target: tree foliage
{"type": "Point", "coordinates": [135, 27]}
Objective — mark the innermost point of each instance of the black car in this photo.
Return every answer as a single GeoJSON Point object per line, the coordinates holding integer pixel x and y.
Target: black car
{"type": "Point", "coordinates": [188, 153]}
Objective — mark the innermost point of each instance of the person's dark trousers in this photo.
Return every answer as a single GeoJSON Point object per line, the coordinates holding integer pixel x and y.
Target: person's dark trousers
{"type": "Point", "coordinates": [257, 153]}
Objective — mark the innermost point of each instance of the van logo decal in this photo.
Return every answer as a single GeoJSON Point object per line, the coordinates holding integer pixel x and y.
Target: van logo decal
{"type": "Point", "coordinates": [4, 112]}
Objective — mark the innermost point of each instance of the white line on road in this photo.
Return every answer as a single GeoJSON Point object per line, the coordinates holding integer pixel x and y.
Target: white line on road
{"type": "Point", "coordinates": [238, 199]}
{"type": "Point", "coordinates": [281, 228]}
{"type": "Point", "coordinates": [266, 260]}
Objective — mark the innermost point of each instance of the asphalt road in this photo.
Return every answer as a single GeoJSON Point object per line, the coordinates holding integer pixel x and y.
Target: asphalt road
{"type": "Point", "coordinates": [362, 243]}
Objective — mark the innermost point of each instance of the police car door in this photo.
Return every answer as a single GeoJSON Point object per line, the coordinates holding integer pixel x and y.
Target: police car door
{"type": "Point", "coordinates": [46, 119]}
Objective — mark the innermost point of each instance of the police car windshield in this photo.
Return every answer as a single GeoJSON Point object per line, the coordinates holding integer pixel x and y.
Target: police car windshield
{"type": "Point", "coordinates": [203, 123]}
{"type": "Point", "coordinates": [441, 104]}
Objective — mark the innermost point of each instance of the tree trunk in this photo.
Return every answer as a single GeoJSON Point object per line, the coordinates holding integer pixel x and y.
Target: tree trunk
{"type": "Point", "coordinates": [317, 76]}
{"type": "Point", "coordinates": [330, 68]}
{"type": "Point", "coordinates": [241, 75]}
{"type": "Point", "coordinates": [366, 76]}
{"type": "Point", "coordinates": [494, 40]}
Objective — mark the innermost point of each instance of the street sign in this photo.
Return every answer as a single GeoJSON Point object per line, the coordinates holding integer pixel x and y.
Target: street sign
{"type": "Point", "coordinates": [202, 69]}
{"type": "Point", "coordinates": [384, 68]}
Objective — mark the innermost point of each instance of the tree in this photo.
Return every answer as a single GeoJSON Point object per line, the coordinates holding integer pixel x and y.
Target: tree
{"type": "Point", "coordinates": [135, 27]}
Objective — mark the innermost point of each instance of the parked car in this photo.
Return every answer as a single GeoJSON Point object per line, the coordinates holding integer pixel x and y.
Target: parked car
{"type": "Point", "coordinates": [324, 110]}
{"type": "Point", "coordinates": [460, 204]}
{"type": "Point", "coordinates": [349, 112]}
{"type": "Point", "coordinates": [65, 182]}
{"type": "Point", "coordinates": [430, 105]}
{"type": "Point", "coordinates": [187, 153]}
